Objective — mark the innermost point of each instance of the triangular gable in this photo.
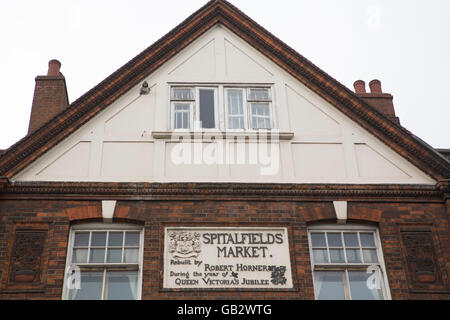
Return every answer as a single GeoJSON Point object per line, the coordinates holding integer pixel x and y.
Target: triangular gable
{"type": "Point", "coordinates": [121, 144]}
{"type": "Point", "coordinates": [221, 12]}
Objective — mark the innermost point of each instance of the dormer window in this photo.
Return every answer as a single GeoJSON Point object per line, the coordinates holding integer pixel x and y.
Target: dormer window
{"type": "Point", "coordinates": [182, 105]}
{"type": "Point", "coordinates": [240, 108]}
{"type": "Point", "coordinates": [194, 105]}
{"type": "Point", "coordinates": [236, 115]}
{"type": "Point", "coordinates": [259, 101]}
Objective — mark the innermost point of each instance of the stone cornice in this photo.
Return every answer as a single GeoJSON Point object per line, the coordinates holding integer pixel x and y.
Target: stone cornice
{"type": "Point", "coordinates": [220, 191]}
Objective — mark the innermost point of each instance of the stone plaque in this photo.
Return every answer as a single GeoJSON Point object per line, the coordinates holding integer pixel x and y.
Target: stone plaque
{"type": "Point", "coordinates": [218, 258]}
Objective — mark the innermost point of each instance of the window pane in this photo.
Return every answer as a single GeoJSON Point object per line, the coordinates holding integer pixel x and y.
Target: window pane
{"type": "Point", "coordinates": [182, 94]}
{"type": "Point", "coordinates": [81, 239]}
{"type": "Point", "coordinates": [98, 239]}
{"type": "Point", "coordinates": [236, 122]}
{"type": "Point", "coordinates": [97, 256]}
{"type": "Point", "coordinates": [367, 240]}
{"type": "Point", "coordinates": [122, 285]}
{"type": "Point", "coordinates": [334, 240]}
{"type": "Point", "coordinates": [370, 256]}
{"type": "Point", "coordinates": [115, 239]}
{"type": "Point", "coordinates": [351, 239]}
{"type": "Point", "coordinates": [132, 239]}
{"type": "Point", "coordinates": [182, 107]}
{"type": "Point", "coordinates": [318, 239]}
{"type": "Point", "coordinates": [261, 116]}
{"type": "Point", "coordinates": [259, 123]}
{"type": "Point", "coordinates": [178, 121]}
{"type": "Point", "coordinates": [259, 94]}
{"type": "Point", "coordinates": [235, 109]}
{"type": "Point", "coordinates": [131, 256]}
{"type": "Point", "coordinates": [186, 121]}
{"type": "Point", "coordinates": [260, 109]}
{"type": "Point", "coordinates": [359, 289]}
{"type": "Point", "coordinates": [337, 255]}
{"type": "Point", "coordinates": [320, 256]}
{"type": "Point", "coordinates": [207, 108]}
{"type": "Point", "coordinates": [182, 115]}
{"type": "Point", "coordinates": [114, 256]}
{"type": "Point", "coordinates": [235, 102]}
{"type": "Point", "coordinates": [90, 287]}
{"type": "Point", "coordinates": [329, 285]}
{"type": "Point", "coordinates": [353, 255]}
{"type": "Point", "coordinates": [79, 255]}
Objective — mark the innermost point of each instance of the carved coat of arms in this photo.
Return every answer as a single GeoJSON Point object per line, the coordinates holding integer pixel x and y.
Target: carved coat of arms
{"type": "Point", "coordinates": [184, 244]}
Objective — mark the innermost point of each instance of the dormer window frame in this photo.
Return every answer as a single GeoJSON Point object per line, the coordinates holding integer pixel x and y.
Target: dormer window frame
{"type": "Point", "coordinates": [253, 101]}
{"type": "Point", "coordinates": [226, 108]}
{"type": "Point", "coordinates": [177, 103]}
{"type": "Point", "coordinates": [222, 107]}
{"type": "Point", "coordinates": [194, 103]}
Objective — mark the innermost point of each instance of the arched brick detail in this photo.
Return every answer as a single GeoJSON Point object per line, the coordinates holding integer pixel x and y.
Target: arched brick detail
{"type": "Point", "coordinates": [130, 213]}
{"type": "Point", "coordinates": [317, 212]}
{"type": "Point", "coordinates": [364, 213]}
{"type": "Point", "coordinates": [84, 213]}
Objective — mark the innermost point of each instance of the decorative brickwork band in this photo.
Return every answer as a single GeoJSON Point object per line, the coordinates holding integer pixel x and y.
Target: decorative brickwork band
{"type": "Point", "coordinates": [423, 269]}
{"type": "Point", "coordinates": [25, 266]}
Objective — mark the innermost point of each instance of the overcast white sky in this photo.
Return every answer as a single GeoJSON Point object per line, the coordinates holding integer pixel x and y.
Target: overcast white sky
{"type": "Point", "coordinates": [405, 44]}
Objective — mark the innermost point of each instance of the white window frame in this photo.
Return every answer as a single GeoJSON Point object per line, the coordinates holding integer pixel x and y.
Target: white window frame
{"type": "Point", "coordinates": [221, 105]}
{"type": "Point", "coordinates": [190, 102]}
{"type": "Point", "coordinates": [194, 104]}
{"type": "Point", "coordinates": [191, 114]}
{"type": "Point", "coordinates": [351, 228]}
{"type": "Point", "coordinates": [247, 103]}
{"type": "Point", "coordinates": [250, 103]}
{"type": "Point", "coordinates": [103, 227]}
{"type": "Point", "coordinates": [244, 105]}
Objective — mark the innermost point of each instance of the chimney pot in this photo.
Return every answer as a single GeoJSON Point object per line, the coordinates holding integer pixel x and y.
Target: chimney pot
{"type": "Point", "coordinates": [375, 86]}
{"type": "Point", "coordinates": [360, 86]}
{"type": "Point", "coordinates": [53, 68]}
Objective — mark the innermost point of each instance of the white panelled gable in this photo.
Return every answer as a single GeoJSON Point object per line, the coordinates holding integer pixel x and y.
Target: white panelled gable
{"type": "Point", "coordinates": [322, 144]}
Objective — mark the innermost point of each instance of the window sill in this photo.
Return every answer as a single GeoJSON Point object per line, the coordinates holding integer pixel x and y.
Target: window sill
{"type": "Point", "coordinates": [207, 134]}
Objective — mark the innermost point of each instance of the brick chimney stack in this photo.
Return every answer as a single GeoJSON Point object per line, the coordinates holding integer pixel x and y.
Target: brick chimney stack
{"type": "Point", "coordinates": [383, 102]}
{"type": "Point", "coordinates": [50, 96]}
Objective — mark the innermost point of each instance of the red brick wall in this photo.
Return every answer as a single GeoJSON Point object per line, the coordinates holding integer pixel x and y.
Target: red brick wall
{"type": "Point", "coordinates": [397, 221]}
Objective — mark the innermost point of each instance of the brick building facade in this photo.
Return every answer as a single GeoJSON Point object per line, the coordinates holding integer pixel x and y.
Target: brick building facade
{"type": "Point", "coordinates": [393, 212]}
